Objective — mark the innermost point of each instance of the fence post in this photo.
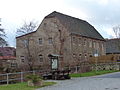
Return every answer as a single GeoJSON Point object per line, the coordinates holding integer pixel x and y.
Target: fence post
{"type": "Point", "coordinates": [69, 67]}
{"type": "Point", "coordinates": [7, 78]}
{"type": "Point", "coordinates": [21, 76]}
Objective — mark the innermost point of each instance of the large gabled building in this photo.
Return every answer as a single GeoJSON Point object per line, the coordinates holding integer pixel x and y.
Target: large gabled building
{"type": "Point", "coordinates": [73, 39]}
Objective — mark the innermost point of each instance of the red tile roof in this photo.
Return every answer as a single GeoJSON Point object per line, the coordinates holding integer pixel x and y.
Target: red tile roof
{"type": "Point", "coordinates": [7, 57]}
{"type": "Point", "coordinates": [7, 51]}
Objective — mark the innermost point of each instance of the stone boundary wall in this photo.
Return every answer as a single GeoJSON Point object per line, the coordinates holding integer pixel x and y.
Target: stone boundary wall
{"type": "Point", "coordinates": [106, 66]}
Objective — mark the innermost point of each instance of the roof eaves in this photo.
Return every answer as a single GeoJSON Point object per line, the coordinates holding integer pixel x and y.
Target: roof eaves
{"type": "Point", "coordinates": [26, 34]}
{"type": "Point", "coordinates": [87, 36]}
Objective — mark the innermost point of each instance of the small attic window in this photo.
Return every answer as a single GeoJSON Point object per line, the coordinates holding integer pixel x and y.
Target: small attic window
{"type": "Point", "coordinates": [74, 55]}
{"type": "Point", "coordinates": [40, 41]}
{"type": "Point", "coordinates": [90, 55]}
{"type": "Point", "coordinates": [80, 55]}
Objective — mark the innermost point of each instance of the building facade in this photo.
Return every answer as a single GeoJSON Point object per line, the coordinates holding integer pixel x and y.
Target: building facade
{"type": "Point", "coordinates": [73, 39]}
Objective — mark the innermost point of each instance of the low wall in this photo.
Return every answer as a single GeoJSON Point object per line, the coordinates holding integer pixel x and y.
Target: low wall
{"type": "Point", "coordinates": [105, 66]}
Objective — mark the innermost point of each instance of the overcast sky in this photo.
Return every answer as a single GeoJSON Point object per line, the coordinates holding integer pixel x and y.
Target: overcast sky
{"type": "Point", "coordinates": [102, 14]}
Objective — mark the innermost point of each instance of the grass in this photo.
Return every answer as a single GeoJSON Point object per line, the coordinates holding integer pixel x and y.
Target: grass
{"type": "Point", "coordinates": [92, 73]}
{"type": "Point", "coordinates": [23, 86]}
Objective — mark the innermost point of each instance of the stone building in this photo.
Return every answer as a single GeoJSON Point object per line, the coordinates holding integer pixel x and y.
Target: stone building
{"type": "Point", "coordinates": [113, 46]}
{"type": "Point", "coordinates": [7, 51]}
{"type": "Point", "coordinates": [7, 59]}
{"type": "Point", "coordinates": [73, 39]}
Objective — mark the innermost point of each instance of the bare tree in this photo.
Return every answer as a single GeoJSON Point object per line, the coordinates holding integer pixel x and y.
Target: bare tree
{"type": "Point", "coordinates": [59, 38]}
{"type": "Point", "coordinates": [25, 29]}
{"type": "Point", "coordinates": [116, 31]}
{"type": "Point", "coordinates": [3, 42]}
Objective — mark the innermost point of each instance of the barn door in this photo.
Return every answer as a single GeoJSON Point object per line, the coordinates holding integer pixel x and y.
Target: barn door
{"type": "Point", "coordinates": [54, 63]}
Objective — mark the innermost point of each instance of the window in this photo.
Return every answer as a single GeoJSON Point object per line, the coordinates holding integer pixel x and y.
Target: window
{"type": "Point", "coordinates": [102, 46]}
{"type": "Point", "coordinates": [80, 55]}
{"type": "Point", "coordinates": [85, 55]}
{"type": "Point", "coordinates": [41, 58]}
{"type": "Point", "coordinates": [22, 58]}
{"type": "Point", "coordinates": [90, 43]}
{"type": "Point", "coordinates": [73, 40]}
{"type": "Point", "coordinates": [13, 64]}
{"type": "Point", "coordinates": [84, 42]}
{"type": "Point", "coordinates": [74, 55]}
{"type": "Point", "coordinates": [50, 40]}
{"type": "Point", "coordinates": [94, 44]}
{"type": "Point", "coordinates": [45, 24]}
{"type": "Point", "coordinates": [40, 41]}
{"type": "Point", "coordinates": [25, 42]}
{"type": "Point", "coordinates": [97, 45]}
{"type": "Point", "coordinates": [90, 55]}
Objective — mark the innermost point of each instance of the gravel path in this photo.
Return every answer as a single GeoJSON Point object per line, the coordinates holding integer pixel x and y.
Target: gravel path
{"type": "Point", "coordinates": [103, 82]}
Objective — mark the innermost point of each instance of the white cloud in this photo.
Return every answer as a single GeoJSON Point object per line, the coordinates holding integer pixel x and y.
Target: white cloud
{"type": "Point", "coordinates": [103, 2]}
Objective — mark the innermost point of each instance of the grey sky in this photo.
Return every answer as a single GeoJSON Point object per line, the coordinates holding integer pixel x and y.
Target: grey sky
{"type": "Point", "coordinates": [102, 14]}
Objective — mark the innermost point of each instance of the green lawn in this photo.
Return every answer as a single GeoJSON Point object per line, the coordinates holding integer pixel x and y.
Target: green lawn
{"type": "Point", "coordinates": [92, 73]}
{"type": "Point", "coordinates": [23, 86]}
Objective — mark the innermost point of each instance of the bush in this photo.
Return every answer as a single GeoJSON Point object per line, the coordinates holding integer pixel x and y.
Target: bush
{"type": "Point", "coordinates": [34, 78]}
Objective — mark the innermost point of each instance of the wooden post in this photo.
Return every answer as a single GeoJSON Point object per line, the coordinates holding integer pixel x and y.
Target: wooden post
{"type": "Point", "coordinates": [76, 70]}
{"type": "Point", "coordinates": [7, 78]}
{"type": "Point", "coordinates": [96, 64]}
{"type": "Point", "coordinates": [21, 76]}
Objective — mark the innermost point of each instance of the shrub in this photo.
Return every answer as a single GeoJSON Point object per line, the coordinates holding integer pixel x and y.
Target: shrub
{"type": "Point", "coordinates": [34, 78]}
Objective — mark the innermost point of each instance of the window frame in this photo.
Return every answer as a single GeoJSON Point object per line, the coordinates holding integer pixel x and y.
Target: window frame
{"type": "Point", "coordinates": [40, 58]}
{"type": "Point", "coordinates": [40, 41]}
{"type": "Point", "coordinates": [50, 40]}
{"type": "Point", "coordinates": [22, 59]}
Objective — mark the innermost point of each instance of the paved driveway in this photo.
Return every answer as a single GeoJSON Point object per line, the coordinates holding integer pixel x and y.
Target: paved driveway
{"type": "Point", "coordinates": [102, 82]}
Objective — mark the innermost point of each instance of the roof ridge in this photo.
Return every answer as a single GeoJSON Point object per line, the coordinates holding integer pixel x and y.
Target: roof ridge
{"type": "Point", "coordinates": [56, 12]}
